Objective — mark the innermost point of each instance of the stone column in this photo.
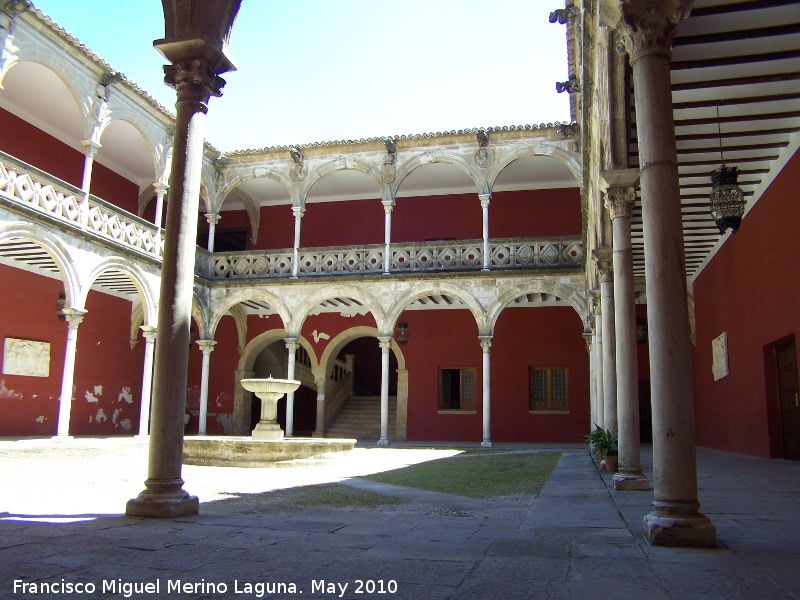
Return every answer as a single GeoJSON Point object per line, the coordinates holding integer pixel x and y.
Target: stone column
{"type": "Point", "coordinates": [647, 29]}
{"type": "Point", "coordinates": [401, 425]}
{"type": "Point", "coordinates": [588, 336]}
{"type": "Point", "coordinates": [485, 201]}
{"type": "Point", "coordinates": [386, 346]}
{"type": "Point", "coordinates": [320, 380]}
{"type": "Point", "coordinates": [606, 271]}
{"type": "Point", "coordinates": [158, 219]}
{"type": "Point", "coordinates": [291, 347]}
{"type": "Point", "coordinates": [242, 404]}
{"type": "Point", "coordinates": [298, 212]}
{"type": "Point", "coordinates": [598, 364]}
{"type": "Point", "coordinates": [619, 202]}
{"type": "Point", "coordinates": [213, 219]}
{"type": "Point", "coordinates": [91, 151]}
{"type": "Point", "coordinates": [149, 334]}
{"type": "Point", "coordinates": [486, 344]}
{"type": "Point", "coordinates": [197, 50]}
{"type": "Point", "coordinates": [388, 206]}
{"type": "Point", "coordinates": [74, 317]}
{"type": "Point", "coordinates": [207, 346]}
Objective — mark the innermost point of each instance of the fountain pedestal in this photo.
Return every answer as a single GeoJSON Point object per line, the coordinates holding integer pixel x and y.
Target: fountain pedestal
{"type": "Point", "coordinates": [269, 392]}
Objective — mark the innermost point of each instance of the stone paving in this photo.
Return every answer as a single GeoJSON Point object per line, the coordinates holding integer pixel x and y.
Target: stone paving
{"type": "Point", "coordinates": [62, 527]}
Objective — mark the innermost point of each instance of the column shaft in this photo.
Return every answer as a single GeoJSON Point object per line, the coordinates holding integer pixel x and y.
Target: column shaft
{"type": "Point", "coordinates": [291, 346]}
{"type": "Point", "coordinates": [386, 345]}
{"type": "Point", "coordinates": [648, 31]}
{"type": "Point", "coordinates": [74, 318]}
{"type": "Point", "coordinates": [485, 201]}
{"type": "Point", "coordinates": [486, 344]}
{"type": "Point", "coordinates": [387, 235]}
{"type": "Point", "coordinates": [598, 370]}
{"type": "Point", "coordinates": [147, 379]}
{"type": "Point", "coordinates": [207, 346]}
{"type": "Point", "coordinates": [320, 380]}
{"type": "Point", "coordinates": [298, 217]}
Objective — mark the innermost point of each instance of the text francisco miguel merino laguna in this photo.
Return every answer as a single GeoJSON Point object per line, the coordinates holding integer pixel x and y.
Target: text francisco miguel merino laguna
{"type": "Point", "coordinates": [176, 586]}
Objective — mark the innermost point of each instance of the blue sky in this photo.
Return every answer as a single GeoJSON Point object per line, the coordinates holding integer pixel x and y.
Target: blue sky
{"type": "Point", "coordinates": [322, 70]}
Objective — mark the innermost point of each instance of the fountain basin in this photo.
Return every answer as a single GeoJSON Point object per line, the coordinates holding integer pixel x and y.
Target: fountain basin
{"type": "Point", "coordinates": [232, 451]}
{"type": "Point", "coordinates": [269, 391]}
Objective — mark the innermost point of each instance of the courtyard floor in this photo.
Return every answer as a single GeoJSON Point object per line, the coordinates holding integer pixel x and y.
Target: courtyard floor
{"type": "Point", "coordinates": [62, 528]}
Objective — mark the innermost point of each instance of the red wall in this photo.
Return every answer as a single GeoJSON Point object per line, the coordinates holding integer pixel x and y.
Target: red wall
{"type": "Point", "coordinates": [104, 359]}
{"type": "Point", "coordinates": [523, 338]}
{"type": "Point", "coordinates": [28, 308]}
{"type": "Point", "coordinates": [751, 290]}
{"type": "Point", "coordinates": [459, 216]}
{"type": "Point", "coordinates": [33, 146]}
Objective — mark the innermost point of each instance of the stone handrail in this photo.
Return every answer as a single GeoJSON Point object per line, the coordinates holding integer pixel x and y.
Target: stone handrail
{"type": "Point", "coordinates": [23, 184]}
{"type": "Point", "coordinates": [465, 255]}
{"type": "Point", "coordinates": [336, 396]}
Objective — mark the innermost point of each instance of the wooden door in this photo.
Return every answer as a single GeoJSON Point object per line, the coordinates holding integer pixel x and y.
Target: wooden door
{"type": "Point", "coordinates": [786, 362]}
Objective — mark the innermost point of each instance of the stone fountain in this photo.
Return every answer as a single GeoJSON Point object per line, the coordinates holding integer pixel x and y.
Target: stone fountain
{"type": "Point", "coordinates": [267, 446]}
{"type": "Point", "coordinates": [269, 391]}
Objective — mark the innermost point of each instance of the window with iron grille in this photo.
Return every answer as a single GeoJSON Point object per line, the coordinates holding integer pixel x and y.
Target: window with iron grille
{"type": "Point", "coordinates": [457, 389]}
{"type": "Point", "coordinates": [548, 389]}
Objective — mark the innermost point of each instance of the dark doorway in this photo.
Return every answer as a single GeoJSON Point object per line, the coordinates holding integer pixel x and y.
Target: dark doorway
{"type": "Point", "coordinates": [786, 364]}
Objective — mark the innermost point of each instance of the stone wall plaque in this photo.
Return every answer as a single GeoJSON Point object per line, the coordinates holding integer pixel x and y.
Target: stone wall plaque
{"type": "Point", "coordinates": [26, 357]}
{"type": "Point", "coordinates": [719, 356]}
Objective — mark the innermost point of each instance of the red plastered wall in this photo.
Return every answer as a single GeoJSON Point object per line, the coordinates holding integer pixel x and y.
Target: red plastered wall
{"type": "Point", "coordinates": [27, 143]}
{"type": "Point", "coordinates": [108, 372]}
{"type": "Point", "coordinates": [751, 290]}
{"type": "Point", "coordinates": [29, 405]}
{"type": "Point", "coordinates": [223, 362]}
{"type": "Point", "coordinates": [532, 213]}
{"type": "Point", "coordinates": [523, 338]}
{"type": "Point", "coordinates": [547, 337]}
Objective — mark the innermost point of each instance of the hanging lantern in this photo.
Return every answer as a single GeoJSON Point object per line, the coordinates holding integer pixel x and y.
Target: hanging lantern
{"type": "Point", "coordinates": [401, 333]}
{"type": "Point", "coordinates": [61, 303]}
{"type": "Point", "coordinates": [727, 198]}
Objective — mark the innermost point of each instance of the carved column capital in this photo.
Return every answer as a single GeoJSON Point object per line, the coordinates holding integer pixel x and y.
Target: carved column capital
{"type": "Point", "coordinates": [320, 379]}
{"type": "Point", "coordinates": [91, 147]}
{"type": "Point", "coordinates": [619, 201]}
{"type": "Point", "coordinates": [485, 199]}
{"type": "Point", "coordinates": [388, 206]}
{"type": "Point", "coordinates": [605, 266]}
{"type": "Point", "coordinates": [292, 344]}
{"type": "Point", "coordinates": [73, 316]}
{"type": "Point", "coordinates": [649, 26]}
{"type": "Point", "coordinates": [213, 218]}
{"type": "Point", "coordinates": [486, 342]}
{"type": "Point", "coordinates": [160, 188]}
{"type": "Point", "coordinates": [385, 343]}
{"type": "Point", "coordinates": [194, 81]}
{"type": "Point", "coordinates": [298, 212]}
{"type": "Point", "coordinates": [10, 9]}
{"type": "Point", "coordinates": [149, 332]}
{"type": "Point", "coordinates": [207, 346]}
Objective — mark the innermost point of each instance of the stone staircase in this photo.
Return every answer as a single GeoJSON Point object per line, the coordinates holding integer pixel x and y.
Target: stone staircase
{"type": "Point", "coordinates": [361, 419]}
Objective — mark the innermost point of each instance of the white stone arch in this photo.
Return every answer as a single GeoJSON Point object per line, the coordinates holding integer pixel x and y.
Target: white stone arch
{"type": "Point", "coordinates": [239, 175]}
{"type": "Point", "coordinates": [267, 338]}
{"type": "Point", "coordinates": [329, 293]}
{"type": "Point", "coordinates": [348, 163]}
{"type": "Point", "coordinates": [121, 113]}
{"type": "Point", "coordinates": [437, 287]}
{"type": "Point", "coordinates": [137, 277]}
{"type": "Point", "coordinates": [240, 320]}
{"type": "Point", "coordinates": [420, 160]}
{"type": "Point", "coordinates": [74, 81]}
{"type": "Point", "coordinates": [218, 309]}
{"type": "Point", "coordinates": [568, 159]}
{"type": "Point", "coordinates": [201, 315]}
{"type": "Point", "coordinates": [340, 341]}
{"type": "Point", "coordinates": [569, 294]}
{"type": "Point", "coordinates": [53, 245]}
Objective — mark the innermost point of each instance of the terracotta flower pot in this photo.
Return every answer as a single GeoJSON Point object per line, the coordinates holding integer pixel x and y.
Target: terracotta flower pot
{"type": "Point", "coordinates": [611, 463]}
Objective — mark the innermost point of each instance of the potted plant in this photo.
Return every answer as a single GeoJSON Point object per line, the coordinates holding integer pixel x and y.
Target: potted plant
{"type": "Point", "coordinates": [607, 443]}
{"type": "Point", "coordinates": [595, 439]}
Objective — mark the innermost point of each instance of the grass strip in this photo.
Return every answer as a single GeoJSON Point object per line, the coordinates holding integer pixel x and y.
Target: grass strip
{"type": "Point", "coordinates": [330, 495]}
{"type": "Point", "coordinates": [481, 475]}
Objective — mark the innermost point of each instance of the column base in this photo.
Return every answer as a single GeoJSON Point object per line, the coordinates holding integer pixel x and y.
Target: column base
{"type": "Point", "coordinates": [685, 531]}
{"type": "Point", "coordinates": [383, 442]}
{"type": "Point", "coordinates": [486, 444]}
{"type": "Point", "coordinates": [317, 434]}
{"type": "Point", "coordinates": [631, 480]}
{"type": "Point", "coordinates": [62, 437]}
{"type": "Point", "coordinates": [163, 500]}
{"type": "Point", "coordinates": [270, 432]}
